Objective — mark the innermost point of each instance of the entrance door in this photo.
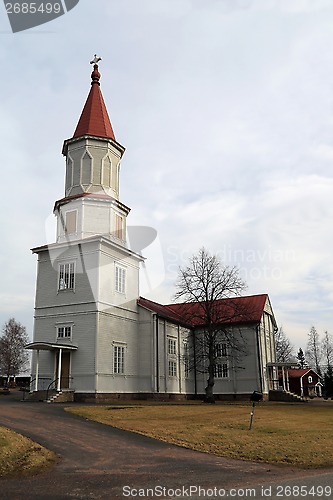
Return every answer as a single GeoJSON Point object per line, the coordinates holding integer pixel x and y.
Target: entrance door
{"type": "Point", "coordinates": [65, 364]}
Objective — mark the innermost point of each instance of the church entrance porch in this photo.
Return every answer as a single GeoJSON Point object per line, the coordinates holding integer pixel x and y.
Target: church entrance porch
{"type": "Point", "coordinates": [62, 362]}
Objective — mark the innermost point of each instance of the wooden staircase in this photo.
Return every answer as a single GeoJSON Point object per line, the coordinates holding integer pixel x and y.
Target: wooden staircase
{"type": "Point", "coordinates": [286, 396]}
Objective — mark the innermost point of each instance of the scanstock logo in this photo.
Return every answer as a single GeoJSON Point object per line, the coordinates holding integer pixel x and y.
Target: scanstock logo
{"type": "Point", "coordinates": [24, 15]}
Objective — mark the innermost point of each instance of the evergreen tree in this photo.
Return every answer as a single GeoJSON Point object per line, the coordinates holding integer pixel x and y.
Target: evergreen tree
{"type": "Point", "coordinates": [301, 358]}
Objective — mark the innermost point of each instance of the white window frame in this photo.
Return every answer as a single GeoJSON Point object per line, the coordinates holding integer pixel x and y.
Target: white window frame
{"type": "Point", "coordinates": [120, 279]}
{"type": "Point", "coordinates": [172, 346]}
{"type": "Point", "coordinates": [119, 351]}
{"type": "Point", "coordinates": [221, 350]}
{"type": "Point", "coordinates": [172, 365]}
{"type": "Point", "coordinates": [66, 331]}
{"type": "Point", "coordinates": [66, 276]}
{"type": "Point", "coordinates": [186, 360]}
{"type": "Point", "coordinates": [221, 370]}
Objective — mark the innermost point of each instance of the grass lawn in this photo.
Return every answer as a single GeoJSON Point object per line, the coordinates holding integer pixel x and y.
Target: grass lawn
{"type": "Point", "coordinates": [20, 455]}
{"type": "Point", "coordinates": [296, 434]}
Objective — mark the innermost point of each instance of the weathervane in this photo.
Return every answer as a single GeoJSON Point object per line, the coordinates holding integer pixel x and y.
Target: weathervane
{"type": "Point", "coordinates": [96, 59]}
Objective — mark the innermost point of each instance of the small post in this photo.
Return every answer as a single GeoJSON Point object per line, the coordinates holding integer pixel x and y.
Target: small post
{"type": "Point", "coordinates": [252, 413]}
{"type": "Point", "coordinates": [254, 398]}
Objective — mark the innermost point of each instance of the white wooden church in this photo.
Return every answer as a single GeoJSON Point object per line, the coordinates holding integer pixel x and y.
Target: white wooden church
{"type": "Point", "coordinates": [94, 336]}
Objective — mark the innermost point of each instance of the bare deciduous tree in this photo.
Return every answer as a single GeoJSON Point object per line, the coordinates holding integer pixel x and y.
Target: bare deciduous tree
{"type": "Point", "coordinates": [203, 283]}
{"type": "Point", "coordinates": [313, 350]}
{"type": "Point", "coordinates": [283, 346]}
{"type": "Point", "coordinates": [327, 350]}
{"type": "Point", "coordinates": [13, 356]}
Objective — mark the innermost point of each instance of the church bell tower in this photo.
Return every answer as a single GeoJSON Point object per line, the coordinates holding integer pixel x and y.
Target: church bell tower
{"type": "Point", "coordinates": [86, 313]}
{"type": "Point", "coordinates": [91, 204]}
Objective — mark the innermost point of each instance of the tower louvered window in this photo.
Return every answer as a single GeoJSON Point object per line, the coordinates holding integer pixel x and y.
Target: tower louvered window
{"type": "Point", "coordinates": [120, 279]}
{"type": "Point", "coordinates": [66, 276]}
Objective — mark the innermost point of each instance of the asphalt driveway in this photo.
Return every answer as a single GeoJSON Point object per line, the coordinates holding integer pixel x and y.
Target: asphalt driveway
{"type": "Point", "coordinates": [100, 462]}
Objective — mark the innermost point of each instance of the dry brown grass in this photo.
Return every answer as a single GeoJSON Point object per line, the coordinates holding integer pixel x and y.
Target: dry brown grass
{"type": "Point", "coordinates": [300, 435]}
{"type": "Point", "coordinates": [20, 455]}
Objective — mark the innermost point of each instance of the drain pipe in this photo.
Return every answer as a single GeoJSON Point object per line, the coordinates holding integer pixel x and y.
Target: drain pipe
{"type": "Point", "coordinates": [157, 352]}
{"type": "Point", "coordinates": [259, 358]}
{"type": "Point", "coordinates": [195, 363]}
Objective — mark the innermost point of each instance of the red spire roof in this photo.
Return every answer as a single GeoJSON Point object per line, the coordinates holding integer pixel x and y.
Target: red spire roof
{"type": "Point", "coordinates": [94, 119]}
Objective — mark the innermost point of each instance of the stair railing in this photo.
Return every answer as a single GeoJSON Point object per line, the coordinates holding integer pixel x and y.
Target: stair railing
{"type": "Point", "coordinates": [49, 387]}
{"type": "Point", "coordinates": [54, 382]}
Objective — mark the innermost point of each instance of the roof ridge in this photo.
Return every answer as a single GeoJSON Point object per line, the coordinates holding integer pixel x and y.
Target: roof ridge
{"type": "Point", "coordinates": [217, 300]}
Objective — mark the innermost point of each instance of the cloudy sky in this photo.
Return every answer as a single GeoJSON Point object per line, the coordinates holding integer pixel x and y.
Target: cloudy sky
{"type": "Point", "coordinates": [225, 108]}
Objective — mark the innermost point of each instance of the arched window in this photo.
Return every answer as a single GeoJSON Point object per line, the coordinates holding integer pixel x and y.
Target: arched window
{"type": "Point", "coordinates": [106, 181]}
{"type": "Point", "coordinates": [86, 169]}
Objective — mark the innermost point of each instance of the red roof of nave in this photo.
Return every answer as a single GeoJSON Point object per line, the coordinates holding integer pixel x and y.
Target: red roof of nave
{"type": "Point", "coordinates": [229, 310]}
{"type": "Point", "coordinates": [94, 119]}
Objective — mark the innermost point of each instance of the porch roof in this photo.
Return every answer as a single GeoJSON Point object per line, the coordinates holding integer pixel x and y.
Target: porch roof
{"type": "Point", "coordinates": [288, 364]}
{"type": "Point", "coordinates": [49, 346]}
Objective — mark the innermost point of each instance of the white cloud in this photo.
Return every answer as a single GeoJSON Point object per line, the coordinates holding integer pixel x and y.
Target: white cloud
{"type": "Point", "coordinates": [302, 6]}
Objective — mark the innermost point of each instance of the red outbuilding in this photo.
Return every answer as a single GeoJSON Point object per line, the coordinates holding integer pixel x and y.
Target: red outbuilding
{"type": "Point", "coordinates": [303, 381]}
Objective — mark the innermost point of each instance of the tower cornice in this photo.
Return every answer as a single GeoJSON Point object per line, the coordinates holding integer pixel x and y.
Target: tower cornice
{"type": "Point", "coordinates": [121, 149]}
{"type": "Point", "coordinates": [94, 197]}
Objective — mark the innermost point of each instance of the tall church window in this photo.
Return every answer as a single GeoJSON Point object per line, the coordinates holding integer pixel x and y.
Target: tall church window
{"type": "Point", "coordinates": [186, 359]}
{"type": "Point", "coordinates": [120, 279]}
{"type": "Point", "coordinates": [172, 368]}
{"type": "Point", "coordinates": [172, 357]}
{"type": "Point", "coordinates": [66, 276]}
{"type": "Point", "coordinates": [172, 346]}
{"type": "Point", "coordinates": [119, 359]}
